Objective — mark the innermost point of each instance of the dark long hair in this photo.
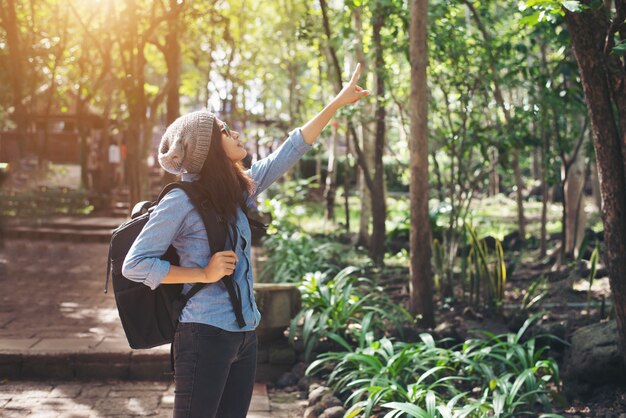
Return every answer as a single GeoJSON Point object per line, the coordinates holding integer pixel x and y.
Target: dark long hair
{"type": "Point", "coordinates": [224, 181]}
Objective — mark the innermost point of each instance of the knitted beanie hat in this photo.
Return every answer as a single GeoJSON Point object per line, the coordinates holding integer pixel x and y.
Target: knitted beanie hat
{"type": "Point", "coordinates": [185, 143]}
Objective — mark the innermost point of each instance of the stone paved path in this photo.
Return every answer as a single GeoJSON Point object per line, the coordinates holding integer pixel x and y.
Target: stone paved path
{"type": "Point", "coordinates": [77, 399]}
{"type": "Point", "coordinates": [53, 312]}
{"type": "Point", "coordinates": [54, 290]}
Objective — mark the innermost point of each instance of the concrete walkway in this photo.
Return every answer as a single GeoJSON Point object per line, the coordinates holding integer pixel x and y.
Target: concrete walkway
{"type": "Point", "coordinates": [77, 399]}
{"type": "Point", "coordinates": [57, 324]}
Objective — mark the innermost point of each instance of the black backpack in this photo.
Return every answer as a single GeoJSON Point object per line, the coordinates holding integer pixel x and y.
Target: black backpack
{"type": "Point", "coordinates": [149, 317]}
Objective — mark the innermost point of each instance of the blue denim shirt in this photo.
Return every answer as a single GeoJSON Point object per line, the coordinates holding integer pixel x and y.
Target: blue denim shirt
{"type": "Point", "coordinates": [175, 222]}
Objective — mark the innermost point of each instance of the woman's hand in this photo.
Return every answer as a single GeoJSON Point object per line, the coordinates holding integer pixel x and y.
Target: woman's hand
{"type": "Point", "coordinates": [221, 264]}
{"type": "Point", "coordinates": [351, 92]}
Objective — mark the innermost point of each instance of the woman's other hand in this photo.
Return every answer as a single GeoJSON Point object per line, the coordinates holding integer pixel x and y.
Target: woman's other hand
{"type": "Point", "coordinates": [221, 264]}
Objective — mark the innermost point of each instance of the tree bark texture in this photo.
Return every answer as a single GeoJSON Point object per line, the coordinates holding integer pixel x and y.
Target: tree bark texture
{"type": "Point", "coordinates": [379, 206]}
{"type": "Point", "coordinates": [603, 80]}
{"type": "Point", "coordinates": [421, 286]}
{"type": "Point", "coordinates": [16, 72]}
{"type": "Point", "coordinates": [366, 137]}
{"type": "Point", "coordinates": [335, 69]}
{"type": "Point", "coordinates": [331, 176]}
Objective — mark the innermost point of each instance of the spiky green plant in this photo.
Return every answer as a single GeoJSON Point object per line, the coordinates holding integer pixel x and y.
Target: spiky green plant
{"type": "Point", "coordinates": [341, 307]}
{"type": "Point", "coordinates": [501, 375]}
{"type": "Point", "coordinates": [486, 268]}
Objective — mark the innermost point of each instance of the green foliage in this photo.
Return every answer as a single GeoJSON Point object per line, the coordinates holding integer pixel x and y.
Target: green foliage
{"type": "Point", "coordinates": [487, 269]}
{"type": "Point", "coordinates": [537, 290]}
{"type": "Point", "coordinates": [544, 10]}
{"type": "Point", "coordinates": [343, 308]}
{"type": "Point", "coordinates": [43, 202]}
{"type": "Point", "coordinates": [291, 251]}
{"type": "Point", "coordinates": [394, 171]}
{"type": "Point", "coordinates": [498, 376]}
{"type": "Point", "coordinates": [292, 254]}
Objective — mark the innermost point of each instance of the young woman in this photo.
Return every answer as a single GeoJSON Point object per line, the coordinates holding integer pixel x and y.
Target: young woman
{"type": "Point", "coordinates": [215, 358]}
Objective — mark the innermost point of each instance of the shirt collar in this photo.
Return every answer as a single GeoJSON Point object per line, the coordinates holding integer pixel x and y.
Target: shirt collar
{"type": "Point", "coordinates": [190, 176]}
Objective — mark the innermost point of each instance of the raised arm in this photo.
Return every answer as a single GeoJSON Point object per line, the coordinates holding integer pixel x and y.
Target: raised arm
{"type": "Point", "coordinates": [267, 170]}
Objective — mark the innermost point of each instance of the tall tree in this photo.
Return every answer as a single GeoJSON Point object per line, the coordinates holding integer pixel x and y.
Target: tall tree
{"type": "Point", "coordinates": [138, 30]}
{"type": "Point", "coordinates": [366, 128]}
{"type": "Point", "coordinates": [335, 70]}
{"type": "Point", "coordinates": [9, 21]}
{"type": "Point", "coordinates": [377, 190]}
{"type": "Point", "coordinates": [598, 38]}
{"type": "Point", "coordinates": [421, 288]}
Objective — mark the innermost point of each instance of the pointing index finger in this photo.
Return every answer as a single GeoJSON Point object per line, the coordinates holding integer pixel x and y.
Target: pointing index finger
{"type": "Point", "coordinates": [355, 75]}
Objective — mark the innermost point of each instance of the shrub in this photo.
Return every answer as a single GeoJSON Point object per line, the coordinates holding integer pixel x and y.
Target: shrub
{"type": "Point", "coordinates": [499, 376]}
{"type": "Point", "coordinates": [343, 308]}
{"type": "Point", "coordinates": [44, 201]}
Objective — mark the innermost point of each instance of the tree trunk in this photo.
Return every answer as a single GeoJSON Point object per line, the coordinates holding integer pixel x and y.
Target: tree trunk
{"type": "Point", "coordinates": [172, 59]}
{"type": "Point", "coordinates": [574, 211]}
{"type": "Point", "coordinates": [545, 187]}
{"type": "Point", "coordinates": [543, 246]}
{"type": "Point", "coordinates": [16, 61]}
{"type": "Point", "coordinates": [366, 137]}
{"type": "Point", "coordinates": [379, 207]}
{"type": "Point", "coordinates": [494, 177]}
{"type": "Point", "coordinates": [421, 287]}
{"type": "Point", "coordinates": [604, 81]}
{"type": "Point", "coordinates": [135, 95]}
{"type": "Point", "coordinates": [335, 70]}
{"type": "Point", "coordinates": [331, 176]}
{"type": "Point", "coordinates": [347, 170]}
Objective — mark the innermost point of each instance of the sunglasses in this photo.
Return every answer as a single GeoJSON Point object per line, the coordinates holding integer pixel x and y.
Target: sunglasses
{"type": "Point", "coordinates": [225, 129]}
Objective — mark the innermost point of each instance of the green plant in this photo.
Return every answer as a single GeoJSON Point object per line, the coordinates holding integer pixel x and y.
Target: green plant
{"type": "Point", "coordinates": [43, 202]}
{"type": "Point", "coordinates": [486, 268]}
{"type": "Point", "coordinates": [535, 293]}
{"type": "Point", "coordinates": [292, 252]}
{"type": "Point", "coordinates": [343, 308]}
{"type": "Point", "coordinates": [500, 375]}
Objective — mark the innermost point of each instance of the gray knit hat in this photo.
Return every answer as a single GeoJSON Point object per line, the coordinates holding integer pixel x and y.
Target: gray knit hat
{"type": "Point", "coordinates": [185, 143]}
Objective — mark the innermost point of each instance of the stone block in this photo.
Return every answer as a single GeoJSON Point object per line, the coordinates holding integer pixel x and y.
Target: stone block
{"type": "Point", "coordinates": [278, 304]}
{"type": "Point", "coordinates": [282, 355]}
{"type": "Point", "coordinates": [66, 390]}
{"type": "Point", "coordinates": [102, 365]}
{"type": "Point", "coordinates": [150, 366]}
{"type": "Point", "coordinates": [595, 356]}
{"type": "Point", "coordinates": [59, 366]}
{"type": "Point", "coordinates": [267, 372]}
{"type": "Point", "coordinates": [143, 406]}
{"type": "Point", "coordinates": [263, 355]}
{"type": "Point", "coordinates": [259, 404]}
{"type": "Point", "coordinates": [55, 345]}
{"type": "Point", "coordinates": [17, 344]}
{"type": "Point", "coordinates": [10, 366]}
{"type": "Point", "coordinates": [110, 344]}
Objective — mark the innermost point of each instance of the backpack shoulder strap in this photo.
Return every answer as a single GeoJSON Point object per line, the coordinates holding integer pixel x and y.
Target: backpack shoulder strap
{"type": "Point", "coordinates": [217, 230]}
{"type": "Point", "coordinates": [168, 188]}
{"type": "Point", "coordinates": [253, 222]}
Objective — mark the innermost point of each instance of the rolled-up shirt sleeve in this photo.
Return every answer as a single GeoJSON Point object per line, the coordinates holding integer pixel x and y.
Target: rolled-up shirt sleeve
{"type": "Point", "coordinates": [267, 170]}
{"type": "Point", "coordinates": [143, 262]}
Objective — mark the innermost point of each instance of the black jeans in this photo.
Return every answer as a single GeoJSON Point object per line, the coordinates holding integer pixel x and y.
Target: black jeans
{"type": "Point", "coordinates": [214, 371]}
